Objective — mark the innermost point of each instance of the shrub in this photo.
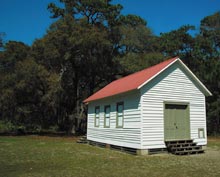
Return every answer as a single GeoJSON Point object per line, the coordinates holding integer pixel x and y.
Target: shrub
{"type": "Point", "coordinates": [7, 127]}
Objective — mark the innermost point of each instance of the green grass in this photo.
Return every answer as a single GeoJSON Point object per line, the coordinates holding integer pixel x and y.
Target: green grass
{"type": "Point", "coordinates": [35, 156]}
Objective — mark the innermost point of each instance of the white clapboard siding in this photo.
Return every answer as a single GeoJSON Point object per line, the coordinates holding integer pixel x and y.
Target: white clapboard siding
{"type": "Point", "coordinates": [172, 85]}
{"type": "Point", "coordinates": [130, 134]}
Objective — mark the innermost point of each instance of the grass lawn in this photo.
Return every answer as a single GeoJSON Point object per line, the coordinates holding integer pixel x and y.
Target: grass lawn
{"type": "Point", "coordinates": [35, 156]}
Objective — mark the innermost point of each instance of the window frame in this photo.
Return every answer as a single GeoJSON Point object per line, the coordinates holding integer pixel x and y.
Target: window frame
{"type": "Point", "coordinates": [105, 108]}
{"type": "Point", "coordinates": [117, 106]}
{"type": "Point", "coordinates": [203, 133]}
{"type": "Point", "coordinates": [97, 117]}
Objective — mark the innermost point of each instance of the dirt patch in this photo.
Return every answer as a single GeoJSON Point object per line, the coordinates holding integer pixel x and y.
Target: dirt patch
{"type": "Point", "coordinates": [214, 138]}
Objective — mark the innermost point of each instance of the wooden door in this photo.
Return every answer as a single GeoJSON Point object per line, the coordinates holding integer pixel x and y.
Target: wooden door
{"type": "Point", "coordinates": [176, 122]}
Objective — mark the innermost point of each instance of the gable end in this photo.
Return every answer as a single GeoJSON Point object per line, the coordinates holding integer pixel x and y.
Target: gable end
{"type": "Point", "coordinates": [188, 72]}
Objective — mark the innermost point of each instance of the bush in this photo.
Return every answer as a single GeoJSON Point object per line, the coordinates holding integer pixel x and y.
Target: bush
{"type": "Point", "coordinates": [20, 130]}
{"type": "Point", "coordinates": [7, 127]}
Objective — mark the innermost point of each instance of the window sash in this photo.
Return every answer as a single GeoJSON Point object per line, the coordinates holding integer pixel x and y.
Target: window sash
{"type": "Point", "coordinates": [107, 122]}
{"type": "Point", "coordinates": [97, 112]}
{"type": "Point", "coordinates": [120, 115]}
{"type": "Point", "coordinates": [107, 116]}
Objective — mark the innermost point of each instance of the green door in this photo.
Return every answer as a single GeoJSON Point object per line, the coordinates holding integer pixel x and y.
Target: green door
{"type": "Point", "coordinates": [176, 122]}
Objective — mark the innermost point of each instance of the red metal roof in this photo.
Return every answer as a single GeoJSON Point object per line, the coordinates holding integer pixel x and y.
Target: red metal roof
{"type": "Point", "coordinates": [130, 82]}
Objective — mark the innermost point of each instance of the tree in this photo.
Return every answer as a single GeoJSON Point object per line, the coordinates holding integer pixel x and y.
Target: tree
{"type": "Point", "coordinates": [84, 46]}
{"type": "Point", "coordinates": [26, 88]}
{"type": "Point", "coordinates": [89, 45]}
{"type": "Point", "coordinates": [210, 28]}
{"type": "Point", "coordinates": [32, 89]}
{"type": "Point", "coordinates": [133, 62]}
{"type": "Point", "coordinates": [73, 48]}
{"type": "Point", "coordinates": [1, 39]}
{"type": "Point", "coordinates": [12, 52]}
{"type": "Point", "coordinates": [178, 43]}
{"type": "Point", "coordinates": [208, 49]}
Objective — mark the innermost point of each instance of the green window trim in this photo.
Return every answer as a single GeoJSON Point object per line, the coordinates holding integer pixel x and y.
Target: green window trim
{"type": "Point", "coordinates": [97, 116]}
{"type": "Point", "coordinates": [120, 115]}
{"type": "Point", "coordinates": [107, 116]}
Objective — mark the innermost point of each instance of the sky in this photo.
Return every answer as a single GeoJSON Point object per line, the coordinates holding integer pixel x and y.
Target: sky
{"type": "Point", "coordinates": [28, 20]}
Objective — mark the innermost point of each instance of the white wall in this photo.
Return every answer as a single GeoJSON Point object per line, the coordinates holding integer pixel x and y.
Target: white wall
{"type": "Point", "coordinates": [171, 85]}
{"type": "Point", "coordinates": [129, 135]}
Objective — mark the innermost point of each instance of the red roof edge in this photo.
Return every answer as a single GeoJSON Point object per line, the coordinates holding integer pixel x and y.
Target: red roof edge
{"type": "Point", "coordinates": [130, 82]}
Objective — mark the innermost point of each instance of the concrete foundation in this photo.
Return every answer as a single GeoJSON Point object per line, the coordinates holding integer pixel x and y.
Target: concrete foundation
{"type": "Point", "coordinates": [128, 150]}
{"type": "Point", "coordinates": [142, 152]}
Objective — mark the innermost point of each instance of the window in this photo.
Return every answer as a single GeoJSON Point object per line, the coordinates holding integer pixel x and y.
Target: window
{"type": "Point", "coordinates": [107, 116]}
{"type": "Point", "coordinates": [120, 114]}
{"type": "Point", "coordinates": [97, 110]}
{"type": "Point", "coordinates": [201, 133]}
